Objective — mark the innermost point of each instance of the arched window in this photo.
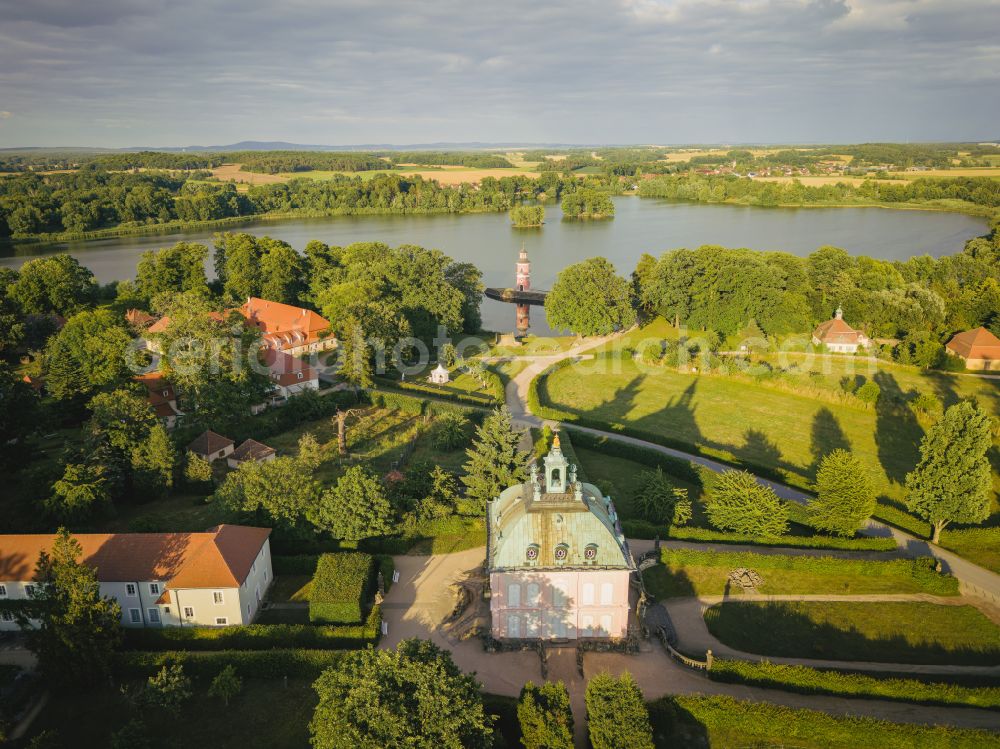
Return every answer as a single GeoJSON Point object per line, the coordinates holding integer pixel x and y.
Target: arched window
{"type": "Point", "coordinates": [555, 477]}
{"type": "Point", "coordinates": [514, 595]}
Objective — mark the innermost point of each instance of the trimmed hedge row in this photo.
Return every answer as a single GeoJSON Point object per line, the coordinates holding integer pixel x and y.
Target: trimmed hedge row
{"type": "Point", "coordinates": [440, 392]}
{"type": "Point", "coordinates": [393, 399]}
{"type": "Point", "coordinates": [339, 586]}
{"type": "Point", "coordinates": [258, 636]}
{"type": "Point", "coordinates": [677, 467]}
{"type": "Point", "coordinates": [645, 529]}
{"type": "Point", "coordinates": [724, 721]}
{"type": "Point", "coordinates": [922, 569]}
{"type": "Point", "coordinates": [805, 680]}
{"type": "Point", "coordinates": [251, 664]}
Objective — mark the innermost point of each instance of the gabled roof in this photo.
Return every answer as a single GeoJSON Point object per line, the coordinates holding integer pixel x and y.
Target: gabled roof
{"type": "Point", "coordinates": [978, 343]}
{"type": "Point", "coordinates": [283, 324]}
{"type": "Point", "coordinates": [836, 331]}
{"type": "Point", "coordinates": [218, 558]}
{"type": "Point", "coordinates": [251, 450]}
{"type": "Point", "coordinates": [158, 388]}
{"type": "Point", "coordinates": [209, 442]}
{"type": "Point", "coordinates": [285, 369]}
{"type": "Point", "coordinates": [138, 318]}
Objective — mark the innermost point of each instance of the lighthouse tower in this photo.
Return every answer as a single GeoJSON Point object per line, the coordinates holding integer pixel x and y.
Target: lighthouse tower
{"type": "Point", "coordinates": [523, 271]}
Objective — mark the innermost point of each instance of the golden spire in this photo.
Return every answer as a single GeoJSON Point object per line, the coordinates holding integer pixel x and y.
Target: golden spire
{"type": "Point", "coordinates": [555, 441]}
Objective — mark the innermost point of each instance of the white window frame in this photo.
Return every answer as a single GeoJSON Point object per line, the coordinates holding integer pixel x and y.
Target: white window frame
{"type": "Point", "coordinates": [189, 612]}
{"type": "Point", "coordinates": [218, 598]}
{"type": "Point", "coordinates": [607, 594]}
{"type": "Point", "coordinates": [514, 594]}
{"type": "Point", "coordinates": [29, 588]}
{"type": "Point", "coordinates": [533, 595]}
{"type": "Point", "coordinates": [131, 590]}
{"type": "Point", "coordinates": [588, 594]}
{"type": "Point", "coordinates": [154, 615]}
{"type": "Point", "coordinates": [607, 621]}
{"type": "Point", "coordinates": [154, 589]}
{"type": "Point", "coordinates": [135, 616]}
{"type": "Point", "coordinates": [222, 621]}
{"type": "Point", "coordinates": [3, 590]}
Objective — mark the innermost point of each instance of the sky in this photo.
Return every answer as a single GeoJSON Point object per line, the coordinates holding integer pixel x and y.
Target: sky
{"type": "Point", "coordinates": [122, 73]}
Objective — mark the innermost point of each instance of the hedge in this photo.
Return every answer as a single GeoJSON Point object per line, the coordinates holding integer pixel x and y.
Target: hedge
{"type": "Point", "coordinates": [646, 530]}
{"type": "Point", "coordinates": [413, 405]}
{"type": "Point", "coordinates": [258, 636]}
{"type": "Point", "coordinates": [724, 721]}
{"type": "Point", "coordinates": [678, 467]}
{"type": "Point", "coordinates": [805, 680]}
{"type": "Point", "coordinates": [888, 512]}
{"type": "Point", "coordinates": [339, 587]}
{"type": "Point", "coordinates": [922, 569]}
{"type": "Point", "coordinates": [256, 664]}
{"type": "Point", "coordinates": [297, 564]}
{"type": "Point", "coordinates": [437, 391]}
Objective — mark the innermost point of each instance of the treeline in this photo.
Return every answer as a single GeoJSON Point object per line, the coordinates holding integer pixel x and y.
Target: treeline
{"type": "Point", "coordinates": [154, 160]}
{"type": "Point", "coordinates": [88, 200]}
{"type": "Point", "coordinates": [922, 301]}
{"type": "Point", "coordinates": [449, 158]}
{"type": "Point", "coordinates": [980, 191]}
{"type": "Point", "coordinates": [274, 162]}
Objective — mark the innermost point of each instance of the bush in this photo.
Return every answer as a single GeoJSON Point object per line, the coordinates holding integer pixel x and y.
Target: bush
{"type": "Point", "coordinates": [616, 714]}
{"type": "Point", "coordinates": [928, 405]}
{"type": "Point", "coordinates": [869, 393]}
{"type": "Point", "coordinates": [804, 680]}
{"type": "Point", "coordinates": [339, 587]}
{"type": "Point", "coordinates": [258, 636]}
{"type": "Point", "coordinates": [738, 503]}
{"type": "Point", "coordinates": [299, 564]}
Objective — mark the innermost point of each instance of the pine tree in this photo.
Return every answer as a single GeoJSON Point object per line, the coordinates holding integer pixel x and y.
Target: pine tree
{"type": "Point", "coordinates": [495, 462]}
{"type": "Point", "coordinates": [739, 504]}
{"type": "Point", "coordinates": [197, 470]}
{"type": "Point", "coordinates": [845, 495]}
{"type": "Point", "coordinates": [355, 361]}
{"type": "Point", "coordinates": [952, 482]}
{"type": "Point", "coordinates": [544, 714]}
{"type": "Point", "coordinates": [77, 631]}
{"type": "Point", "coordinates": [153, 462]}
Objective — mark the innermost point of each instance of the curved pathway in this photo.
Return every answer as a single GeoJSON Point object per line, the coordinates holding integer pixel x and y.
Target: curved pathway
{"type": "Point", "coordinates": [976, 581]}
{"type": "Point", "coordinates": [419, 604]}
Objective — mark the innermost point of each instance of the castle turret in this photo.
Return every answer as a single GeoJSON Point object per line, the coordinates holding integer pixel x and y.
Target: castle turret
{"type": "Point", "coordinates": [523, 281]}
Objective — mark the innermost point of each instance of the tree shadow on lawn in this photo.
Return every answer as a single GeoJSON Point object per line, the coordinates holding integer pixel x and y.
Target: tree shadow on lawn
{"type": "Point", "coordinates": [778, 629]}
{"type": "Point", "coordinates": [827, 436]}
{"type": "Point", "coordinates": [897, 432]}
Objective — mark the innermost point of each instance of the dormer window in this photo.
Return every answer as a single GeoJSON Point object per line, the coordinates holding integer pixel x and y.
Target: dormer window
{"type": "Point", "coordinates": [590, 553]}
{"type": "Point", "coordinates": [531, 553]}
{"type": "Point", "coordinates": [562, 551]}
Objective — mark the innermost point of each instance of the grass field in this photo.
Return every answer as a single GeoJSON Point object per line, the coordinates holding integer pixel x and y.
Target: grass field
{"type": "Point", "coordinates": [690, 573]}
{"type": "Point", "coordinates": [727, 723]}
{"type": "Point", "coordinates": [883, 632]}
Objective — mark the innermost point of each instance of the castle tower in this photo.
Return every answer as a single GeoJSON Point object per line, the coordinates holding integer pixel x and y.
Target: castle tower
{"type": "Point", "coordinates": [556, 469]}
{"type": "Point", "coordinates": [523, 282]}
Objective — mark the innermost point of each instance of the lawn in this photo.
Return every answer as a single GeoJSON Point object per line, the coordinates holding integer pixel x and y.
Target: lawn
{"type": "Point", "coordinates": [290, 588]}
{"type": "Point", "coordinates": [885, 632]}
{"type": "Point", "coordinates": [689, 573]}
{"type": "Point", "coordinates": [88, 718]}
{"type": "Point", "coordinates": [726, 723]}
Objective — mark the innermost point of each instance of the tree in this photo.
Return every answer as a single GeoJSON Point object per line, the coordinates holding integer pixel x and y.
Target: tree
{"type": "Point", "coordinates": [153, 462]}
{"type": "Point", "coordinates": [80, 493]}
{"type": "Point", "coordinates": [952, 482]}
{"type": "Point", "coordinates": [310, 454]}
{"type": "Point", "coordinates": [739, 504]}
{"type": "Point", "coordinates": [617, 717]}
{"type": "Point", "coordinates": [18, 411]}
{"type": "Point", "coordinates": [413, 696]}
{"type": "Point", "coordinates": [869, 392]}
{"type": "Point", "coordinates": [657, 499]}
{"type": "Point", "coordinates": [468, 279]}
{"type": "Point", "coordinates": [527, 215]}
{"type": "Point", "coordinates": [226, 685]}
{"type": "Point", "coordinates": [56, 284]}
{"type": "Point", "coordinates": [77, 632]}
{"type": "Point", "coordinates": [450, 430]}
{"type": "Point", "coordinates": [133, 735]}
{"type": "Point", "coordinates": [587, 203]}
{"type": "Point", "coordinates": [589, 298]}
{"type": "Point", "coordinates": [278, 489]}
{"type": "Point", "coordinates": [281, 271]}
{"type": "Point", "coordinates": [197, 470]}
{"type": "Point", "coordinates": [845, 495]}
{"type": "Point", "coordinates": [355, 358]}
{"type": "Point", "coordinates": [495, 462]}
{"type": "Point", "coordinates": [545, 716]}
{"type": "Point", "coordinates": [87, 355]}
{"type": "Point", "coordinates": [172, 269]}
{"type": "Point", "coordinates": [168, 689]}
{"type": "Point", "coordinates": [341, 417]}
{"type": "Point", "coordinates": [357, 507]}
{"type": "Point", "coordinates": [121, 418]}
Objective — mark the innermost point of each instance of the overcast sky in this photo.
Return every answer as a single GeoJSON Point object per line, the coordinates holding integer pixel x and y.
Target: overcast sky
{"type": "Point", "coordinates": [180, 72]}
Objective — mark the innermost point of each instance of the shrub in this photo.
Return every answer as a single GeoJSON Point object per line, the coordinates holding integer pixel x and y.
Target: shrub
{"type": "Point", "coordinates": [249, 664]}
{"type": "Point", "coordinates": [226, 685]}
{"type": "Point", "coordinates": [869, 392]}
{"type": "Point", "coordinates": [450, 431]}
{"type": "Point", "coordinates": [928, 405]}
{"type": "Point", "coordinates": [339, 585]}
{"type": "Point", "coordinates": [258, 636]}
{"type": "Point", "coordinates": [738, 503]}
{"type": "Point", "coordinates": [617, 717]}
{"type": "Point", "coordinates": [805, 680]}
{"type": "Point", "coordinates": [545, 716]}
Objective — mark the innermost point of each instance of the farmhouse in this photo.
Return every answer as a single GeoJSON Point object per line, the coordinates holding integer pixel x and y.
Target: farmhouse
{"type": "Point", "coordinates": [216, 578]}
{"type": "Point", "coordinates": [559, 566]}
{"type": "Point", "coordinates": [978, 348]}
{"type": "Point", "coordinates": [838, 336]}
{"type": "Point", "coordinates": [211, 446]}
{"type": "Point", "coordinates": [250, 451]}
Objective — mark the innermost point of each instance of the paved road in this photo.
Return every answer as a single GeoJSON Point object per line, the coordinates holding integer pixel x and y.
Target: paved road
{"type": "Point", "coordinates": [419, 603]}
{"type": "Point", "coordinates": [976, 581]}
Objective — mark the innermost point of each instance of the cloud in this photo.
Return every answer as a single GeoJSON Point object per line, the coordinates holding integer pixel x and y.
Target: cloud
{"type": "Point", "coordinates": [109, 72]}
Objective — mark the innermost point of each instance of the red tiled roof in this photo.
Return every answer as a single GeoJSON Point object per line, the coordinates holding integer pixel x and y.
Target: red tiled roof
{"type": "Point", "coordinates": [139, 318]}
{"type": "Point", "coordinates": [218, 558]}
{"type": "Point", "coordinates": [251, 450]}
{"type": "Point", "coordinates": [209, 442]}
{"type": "Point", "coordinates": [282, 325]}
{"type": "Point", "coordinates": [979, 343]}
{"type": "Point", "coordinates": [837, 331]}
{"type": "Point", "coordinates": [285, 369]}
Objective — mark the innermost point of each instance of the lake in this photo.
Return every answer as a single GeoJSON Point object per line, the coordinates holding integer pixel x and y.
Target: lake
{"type": "Point", "coordinates": [641, 225]}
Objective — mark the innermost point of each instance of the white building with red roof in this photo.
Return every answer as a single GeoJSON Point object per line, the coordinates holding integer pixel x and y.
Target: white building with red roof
{"type": "Point", "coordinates": [838, 336]}
{"type": "Point", "coordinates": [162, 397]}
{"type": "Point", "coordinates": [217, 578]}
{"type": "Point", "coordinates": [294, 330]}
{"type": "Point", "coordinates": [978, 348]}
{"type": "Point", "coordinates": [289, 374]}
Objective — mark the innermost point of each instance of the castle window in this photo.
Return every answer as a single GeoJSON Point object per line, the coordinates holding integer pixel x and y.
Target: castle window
{"type": "Point", "coordinates": [555, 476]}
{"type": "Point", "coordinates": [513, 595]}
{"type": "Point", "coordinates": [562, 551]}
{"type": "Point", "coordinates": [532, 553]}
{"type": "Point", "coordinates": [590, 553]}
